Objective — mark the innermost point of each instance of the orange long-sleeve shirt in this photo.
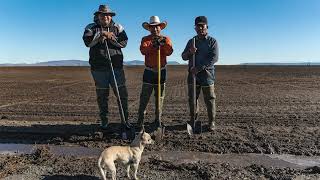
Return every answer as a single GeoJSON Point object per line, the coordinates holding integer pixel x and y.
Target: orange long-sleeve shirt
{"type": "Point", "coordinates": [150, 52]}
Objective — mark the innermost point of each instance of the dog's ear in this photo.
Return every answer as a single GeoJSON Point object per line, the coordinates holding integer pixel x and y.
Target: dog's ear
{"type": "Point", "coordinates": [142, 132]}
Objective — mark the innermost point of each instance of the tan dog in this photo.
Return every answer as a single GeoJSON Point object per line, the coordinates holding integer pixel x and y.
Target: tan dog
{"type": "Point", "coordinates": [127, 155]}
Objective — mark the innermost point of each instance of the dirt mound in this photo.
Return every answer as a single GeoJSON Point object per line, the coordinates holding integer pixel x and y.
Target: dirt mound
{"type": "Point", "coordinates": [41, 154]}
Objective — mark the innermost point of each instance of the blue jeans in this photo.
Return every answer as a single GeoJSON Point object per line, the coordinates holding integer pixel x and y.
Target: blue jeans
{"type": "Point", "coordinates": [103, 79]}
{"type": "Point", "coordinates": [151, 77]}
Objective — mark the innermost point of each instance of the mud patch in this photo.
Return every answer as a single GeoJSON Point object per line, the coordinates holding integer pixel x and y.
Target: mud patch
{"type": "Point", "coordinates": [262, 110]}
{"type": "Point", "coordinates": [43, 164]}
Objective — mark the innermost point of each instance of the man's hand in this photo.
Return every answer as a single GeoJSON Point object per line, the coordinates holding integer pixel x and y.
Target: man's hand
{"type": "Point", "coordinates": [101, 38]}
{"type": "Point", "coordinates": [158, 41]}
{"type": "Point", "coordinates": [193, 50]}
{"type": "Point", "coordinates": [162, 40]}
{"type": "Point", "coordinates": [109, 35]}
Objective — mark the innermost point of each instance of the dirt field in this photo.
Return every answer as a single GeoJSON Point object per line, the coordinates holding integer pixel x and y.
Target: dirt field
{"type": "Point", "coordinates": [269, 110]}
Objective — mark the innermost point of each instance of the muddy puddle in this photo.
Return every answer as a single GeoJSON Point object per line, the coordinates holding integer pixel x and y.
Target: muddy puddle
{"type": "Point", "coordinates": [12, 149]}
{"type": "Point", "coordinates": [179, 157]}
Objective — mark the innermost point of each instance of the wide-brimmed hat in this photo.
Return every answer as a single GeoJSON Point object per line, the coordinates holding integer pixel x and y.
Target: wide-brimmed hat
{"type": "Point", "coordinates": [104, 9]}
{"type": "Point", "coordinates": [154, 21]}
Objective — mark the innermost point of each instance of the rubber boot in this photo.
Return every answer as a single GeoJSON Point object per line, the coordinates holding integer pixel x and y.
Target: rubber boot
{"type": "Point", "coordinates": [209, 99]}
{"type": "Point", "coordinates": [145, 94]}
{"type": "Point", "coordinates": [102, 99]}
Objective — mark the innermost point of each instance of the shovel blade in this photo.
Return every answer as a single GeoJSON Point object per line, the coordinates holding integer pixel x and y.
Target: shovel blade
{"type": "Point", "coordinates": [131, 133]}
{"type": "Point", "coordinates": [158, 133]}
{"type": "Point", "coordinates": [127, 133]}
{"type": "Point", "coordinates": [124, 136]}
{"type": "Point", "coordinates": [189, 129]}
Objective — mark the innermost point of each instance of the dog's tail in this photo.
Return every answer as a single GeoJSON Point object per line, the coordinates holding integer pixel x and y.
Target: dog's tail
{"type": "Point", "coordinates": [101, 168]}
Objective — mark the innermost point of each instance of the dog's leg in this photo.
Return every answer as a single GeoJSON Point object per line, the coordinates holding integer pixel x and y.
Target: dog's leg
{"type": "Point", "coordinates": [102, 169]}
{"type": "Point", "coordinates": [128, 171]}
{"type": "Point", "coordinates": [113, 170]}
{"type": "Point", "coordinates": [135, 167]}
{"type": "Point", "coordinates": [103, 173]}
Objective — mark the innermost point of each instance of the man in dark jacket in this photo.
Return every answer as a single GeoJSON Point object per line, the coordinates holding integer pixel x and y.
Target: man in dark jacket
{"type": "Point", "coordinates": [205, 50]}
{"type": "Point", "coordinates": [96, 36]}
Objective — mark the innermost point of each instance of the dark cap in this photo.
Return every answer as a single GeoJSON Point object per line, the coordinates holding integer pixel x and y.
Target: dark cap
{"type": "Point", "coordinates": [201, 20]}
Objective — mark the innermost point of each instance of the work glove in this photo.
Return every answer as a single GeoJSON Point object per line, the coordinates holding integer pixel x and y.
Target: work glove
{"type": "Point", "coordinates": [158, 41]}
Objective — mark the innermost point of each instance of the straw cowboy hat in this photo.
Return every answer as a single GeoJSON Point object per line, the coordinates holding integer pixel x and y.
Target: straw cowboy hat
{"type": "Point", "coordinates": [154, 21]}
{"type": "Point", "coordinates": [104, 9]}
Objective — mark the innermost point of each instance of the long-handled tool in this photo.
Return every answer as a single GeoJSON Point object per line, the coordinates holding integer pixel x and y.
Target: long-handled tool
{"type": "Point", "coordinates": [125, 125]}
{"type": "Point", "coordinates": [160, 130]}
{"type": "Point", "coordinates": [196, 126]}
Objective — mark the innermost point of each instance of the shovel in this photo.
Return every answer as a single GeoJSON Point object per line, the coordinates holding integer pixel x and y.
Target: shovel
{"type": "Point", "coordinates": [126, 130]}
{"type": "Point", "coordinates": [159, 132]}
{"type": "Point", "coordinates": [196, 127]}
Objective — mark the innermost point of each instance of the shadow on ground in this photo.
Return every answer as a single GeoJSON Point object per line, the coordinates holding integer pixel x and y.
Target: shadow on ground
{"type": "Point", "coordinates": [63, 177]}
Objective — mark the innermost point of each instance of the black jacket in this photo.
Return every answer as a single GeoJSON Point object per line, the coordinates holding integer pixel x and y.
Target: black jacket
{"type": "Point", "coordinates": [98, 54]}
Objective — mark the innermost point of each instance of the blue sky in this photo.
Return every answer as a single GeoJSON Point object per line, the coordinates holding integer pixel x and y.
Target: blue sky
{"type": "Point", "coordinates": [247, 30]}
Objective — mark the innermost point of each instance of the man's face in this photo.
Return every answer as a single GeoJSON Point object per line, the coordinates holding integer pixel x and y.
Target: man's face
{"type": "Point", "coordinates": [155, 30]}
{"type": "Point", "coordinates": [201, 29]}
{"type": "Point", "coordinates": [105, 19]}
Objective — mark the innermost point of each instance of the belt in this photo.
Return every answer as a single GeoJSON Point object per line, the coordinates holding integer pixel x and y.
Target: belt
{"type": "Point", "coordinates": [155, 69]}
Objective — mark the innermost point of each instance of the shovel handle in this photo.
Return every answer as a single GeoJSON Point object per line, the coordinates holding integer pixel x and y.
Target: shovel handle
{"type": "Point", "coordinates": [194, 83]}
{"type": "Point", "coordinates": [159, 83]}
{"type": "Point", "coordinates": [122, 116]}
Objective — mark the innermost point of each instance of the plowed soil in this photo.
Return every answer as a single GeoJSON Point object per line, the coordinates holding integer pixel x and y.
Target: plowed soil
{"type": "Point", "coordinates": [269, 110]}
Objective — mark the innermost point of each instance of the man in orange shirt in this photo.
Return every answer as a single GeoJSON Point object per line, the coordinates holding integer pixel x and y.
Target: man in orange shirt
{"type": "Point", "coordinates": [149, 47]}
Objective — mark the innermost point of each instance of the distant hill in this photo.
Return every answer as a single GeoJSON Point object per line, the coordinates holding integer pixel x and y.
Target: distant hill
{"type": "Point", "coordinates": [79, 63]}
{"type": "Point", "coordinates": [8, 64]}
{"type": "Point", "coordinates": [133, 63]}
{"type": "Point", "coordinates": [173, 63]}
{"type": "Point", "coordinates": [64, 63]}
{"type": "Point", "coordinates": [54, 63]}
{"type": "Point", "coordinates": [139, 62]}
{"type": "Point", "coordinates": [283, 64]}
